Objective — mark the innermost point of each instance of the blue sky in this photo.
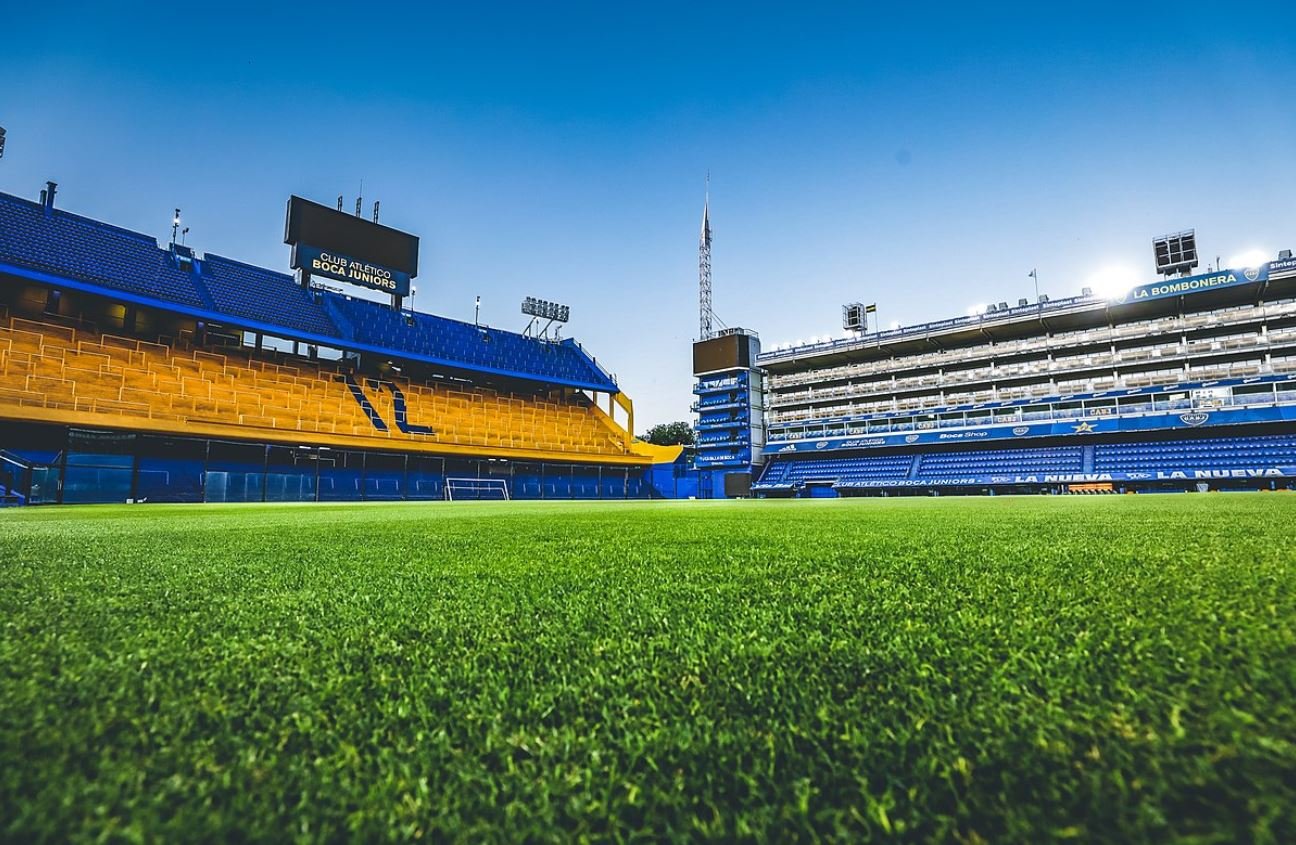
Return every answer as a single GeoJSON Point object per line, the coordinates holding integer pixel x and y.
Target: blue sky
{"type": "Point", "coordinates": [919, 156]}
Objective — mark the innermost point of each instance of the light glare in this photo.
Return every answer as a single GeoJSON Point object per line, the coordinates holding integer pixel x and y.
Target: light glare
{"type": "Point", "coordinates": [1249, 259]}
{"type": "Point", "coordinates": [1113, 282]}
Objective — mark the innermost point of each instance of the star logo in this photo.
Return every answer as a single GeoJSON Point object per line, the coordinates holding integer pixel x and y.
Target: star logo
{"type": "Point", "coordinates": [1084, 428]}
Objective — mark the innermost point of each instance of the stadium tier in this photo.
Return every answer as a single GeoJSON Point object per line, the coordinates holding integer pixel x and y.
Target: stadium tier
{"type": "Point", "coordinates": [44, 244]}
{"type": "Point", "coordinates": [1168, 463]}
{"type": "Point", "coordinates": [132, 371]}
{"type": "Point", "coordinates": [1172, 385]}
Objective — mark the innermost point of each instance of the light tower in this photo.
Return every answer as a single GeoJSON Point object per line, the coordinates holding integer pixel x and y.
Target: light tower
{"type": "Point", "coordinates": [704, 269]}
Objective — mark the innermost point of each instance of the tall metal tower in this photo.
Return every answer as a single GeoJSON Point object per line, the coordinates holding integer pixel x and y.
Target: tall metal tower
{"type": "Point", "coordinates": [704, 269]}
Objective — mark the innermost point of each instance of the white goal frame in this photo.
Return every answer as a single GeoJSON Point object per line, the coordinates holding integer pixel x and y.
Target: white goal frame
{"type": "Point", "coordinates": [477, 485]}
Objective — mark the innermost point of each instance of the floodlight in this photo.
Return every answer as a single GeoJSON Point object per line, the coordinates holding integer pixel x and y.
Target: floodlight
{"type": "Point", "coordinates": [1176, 253]}
{"type": "Point", "coordinates": [546, 310]}
{"type": "Point", "coordinates": [853, 316]}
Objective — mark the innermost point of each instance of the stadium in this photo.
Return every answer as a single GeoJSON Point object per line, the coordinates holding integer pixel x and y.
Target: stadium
{"type": "Point", "coordinates": [291, 551]}
{"type": "Point", "coordinates": [141, 372]}
{"type": "Point", "coordinates": [135, 374]}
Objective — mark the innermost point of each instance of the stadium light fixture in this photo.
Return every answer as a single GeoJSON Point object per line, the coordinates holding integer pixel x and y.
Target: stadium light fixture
{"type": "Point", "coordinates": [546, 310]}
{"type": "Point", "coordinates": [1175, 254]}
{"type": "Point", "coordinates": [976, 310]}
{"type": "Point", "coordinates": [854, 317]}
{"type": "Point", "coordinates": [1249, 259]}
{"type": "Point", "coordinates": [1112, 282]}
{"type": "Point", "coordinates": [542, 309]}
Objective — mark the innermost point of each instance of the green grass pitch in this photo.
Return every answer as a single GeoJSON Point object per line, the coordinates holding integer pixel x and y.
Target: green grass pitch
{"type": "Point", "coordinates": [975, 670]}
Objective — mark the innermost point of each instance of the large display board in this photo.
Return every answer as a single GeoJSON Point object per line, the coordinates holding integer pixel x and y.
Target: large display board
{"type": "Point", "coordinates": [331, 243]}
{"type": "Point", "coordinates": [722, 353]}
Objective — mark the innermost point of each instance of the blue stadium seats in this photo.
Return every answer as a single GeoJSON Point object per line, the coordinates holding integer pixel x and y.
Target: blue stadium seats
{"type": "Point", "coordinates": [117, 260]}
{"type": "Point", "coordinates": [956, 464]}
{"type": "Point", "coordinates": [785, 473]}
{"type": "Point", "coordinates": [72, 246]}
{"type": "Point", "coordinates": [242, 290]}
{"type": "Point", "coordinates": [1123, 461]}
{"type": "Point", "coordinates": [1211, 453]}
{"type": "Point", "coordinates": [473, 346]}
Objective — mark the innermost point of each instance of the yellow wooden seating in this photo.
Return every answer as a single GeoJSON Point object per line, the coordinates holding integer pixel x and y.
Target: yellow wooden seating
{"type": "Point", "coordinates": [56, 366]}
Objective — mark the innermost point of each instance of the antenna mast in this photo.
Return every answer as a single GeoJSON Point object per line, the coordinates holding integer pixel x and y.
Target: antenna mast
{"type": "Point", "coordinates": [704, 268]}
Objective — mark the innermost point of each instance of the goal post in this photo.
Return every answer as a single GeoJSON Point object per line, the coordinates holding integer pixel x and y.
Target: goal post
{"type": "Point", "coordinates": [476, 490]}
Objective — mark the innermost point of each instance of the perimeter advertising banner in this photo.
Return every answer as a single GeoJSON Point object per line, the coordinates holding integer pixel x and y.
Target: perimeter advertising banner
{"type": "Point", "coordinates": [1184, 474]}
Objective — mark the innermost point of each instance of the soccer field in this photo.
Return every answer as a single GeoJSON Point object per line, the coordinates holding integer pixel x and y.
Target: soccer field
{"type": "Point", "coordinates": [1002, 669]}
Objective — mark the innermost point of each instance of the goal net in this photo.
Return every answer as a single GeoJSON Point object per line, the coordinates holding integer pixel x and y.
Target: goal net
{"type": "Point", "coordinates": [476, 489]}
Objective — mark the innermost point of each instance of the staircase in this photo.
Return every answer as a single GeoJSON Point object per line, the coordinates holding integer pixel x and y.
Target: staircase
{"type": "Point", "coordinates": [200, 287]}
{"type": "Point", "coordinates": [913, 467]}
{"type": "Point", "coordinates": [345, 327]}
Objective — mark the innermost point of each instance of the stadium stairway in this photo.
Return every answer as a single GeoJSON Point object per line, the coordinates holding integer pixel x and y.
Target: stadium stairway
{"type": "Point", "coordinates": [202, 290]}
{"type": "Point", "coordinates": [345, 328]}
{"type": "Point", "coordinates": [913, 467]}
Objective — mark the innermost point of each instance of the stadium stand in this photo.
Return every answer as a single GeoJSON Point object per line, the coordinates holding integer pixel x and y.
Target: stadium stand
{"type": "Point", "coordinates": [42, 238]}
{"type": "Point", "coordinates": [241, 290]}
{"type": "Point", "coordinates": [1171, 385]}
{"type": "Point", "coordinates": [463, 344]}
{"type": "Point", "coordinates": [1179, 462]}
{"type": "Point", "coordinates": [956, 464]}
{"type": "Point", "coordinates": [117, 355]}
{"type": "Point", "coordinates": [1212, 453]}
{"type": "Point", "coordinates": [61, 368]}
{"type": "Point", "coordinates": [837, 471]}
{"type": "Point", "coordinates": [99, 258]}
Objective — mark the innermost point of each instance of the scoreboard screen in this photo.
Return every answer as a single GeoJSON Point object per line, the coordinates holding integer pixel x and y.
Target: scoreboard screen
{"type": "Point", "coordinates": [722, 353]}
{"type": "Point", "coordinates": [333, 231]}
